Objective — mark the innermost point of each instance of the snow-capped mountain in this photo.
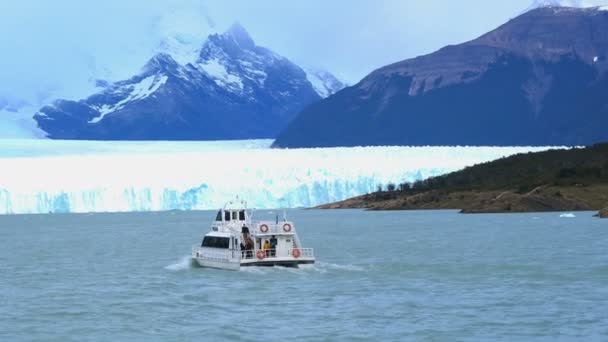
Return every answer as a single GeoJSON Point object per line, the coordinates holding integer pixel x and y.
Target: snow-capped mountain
{"type": "Point", "coordinates": [234, 90]}
{"type": "Point", "coordinates": [568, 3]}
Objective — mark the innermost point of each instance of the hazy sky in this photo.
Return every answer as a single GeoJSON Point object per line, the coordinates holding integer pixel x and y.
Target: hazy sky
{"type": "Point", "coordinates": [56, 46]}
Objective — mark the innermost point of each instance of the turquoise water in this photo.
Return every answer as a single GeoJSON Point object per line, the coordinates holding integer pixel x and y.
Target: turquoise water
{"type": "Point", "coordinates": [418, 275]}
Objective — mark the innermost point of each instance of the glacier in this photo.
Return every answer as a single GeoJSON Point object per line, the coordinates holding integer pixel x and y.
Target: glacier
{"type": "Point", "coordinates": [54, 176]}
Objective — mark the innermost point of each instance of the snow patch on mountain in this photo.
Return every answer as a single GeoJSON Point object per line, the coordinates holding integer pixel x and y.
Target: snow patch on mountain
{"type": "Point", "coordinates": [234, 62]}
{"type": "Point", "coordinates": [324, 83]}
{"type": "Point", "coordinates": [183, 50]}
{"type": "Point", "coordinates": [220, 74]}
{"type": "Point", "coordinates": [137, 91]}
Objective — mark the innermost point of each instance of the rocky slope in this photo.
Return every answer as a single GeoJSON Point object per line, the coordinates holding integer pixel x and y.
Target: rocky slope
{"type": "Point", "coordinates": [540, 79]}
{"type": "Point", "coordinates": [540, 199]}
{"type": "Point", "coordinates": [234, 90]}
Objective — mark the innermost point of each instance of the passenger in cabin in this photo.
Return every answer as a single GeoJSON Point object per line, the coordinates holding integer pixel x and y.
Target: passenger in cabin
{"type": "Point", "coordinates": [267, 248]}
{"type": "Point", "coordinates": [273, 246]}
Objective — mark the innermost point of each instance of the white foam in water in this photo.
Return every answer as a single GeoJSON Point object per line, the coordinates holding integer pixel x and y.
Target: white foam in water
{"type": "Point", "coordinates": [253, 269]}
{"type": "Point", "coordinates": [183, 264]}
{"type": "Point", "coordinates": [350, 268]}
{"type": "Point", "coordinates": [567, 215]}
{"type": "Point", "coordinates": [43, 176]}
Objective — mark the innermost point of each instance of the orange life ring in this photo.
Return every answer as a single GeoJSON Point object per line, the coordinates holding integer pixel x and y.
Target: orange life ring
{"type": "Point", "coordinates": [296, 253]}
{"type": "Point", "coordinates": [263, 228]}
{"type": "Point", "coordinates": [261, 254]}
{"type": "Point", "coordinates": [286, 227]}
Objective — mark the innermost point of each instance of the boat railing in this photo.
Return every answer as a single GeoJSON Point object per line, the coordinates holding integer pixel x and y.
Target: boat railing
{"type": "Point", "coordinates": [234, 255]}
{"type": "Point", "coordinates": [255, 254]}
{"type": "Point", "coordinates": [304, 252]}
{"type": "Point", "coordinates": [272, 227]}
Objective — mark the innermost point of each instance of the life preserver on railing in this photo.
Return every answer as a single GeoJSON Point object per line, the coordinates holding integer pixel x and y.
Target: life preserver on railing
{"type": "Point", "coordinates": [296, 253]}
{"type": "Point", "coordinates": [286, 227]}
{"type": "Point", "coordinates": [263, 228]}
{"type": "Point", "coordinates": [261, 255]}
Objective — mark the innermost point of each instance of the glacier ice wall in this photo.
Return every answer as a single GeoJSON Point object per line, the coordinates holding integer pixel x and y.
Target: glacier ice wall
{"type": "Point", "coordinates": [42, 176]}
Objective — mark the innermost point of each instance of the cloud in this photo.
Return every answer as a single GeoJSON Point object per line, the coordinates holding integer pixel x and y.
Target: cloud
{"type": "Point", "coordinates": [56, 48]}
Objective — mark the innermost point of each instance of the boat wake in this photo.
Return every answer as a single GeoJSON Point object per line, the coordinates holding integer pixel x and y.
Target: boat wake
{"type": "Point", "coordinates": [326, 266]}
{"type": "Point", "coordinates": [186, 262]}
{"type": "Point", "coordinates": [320, 267]}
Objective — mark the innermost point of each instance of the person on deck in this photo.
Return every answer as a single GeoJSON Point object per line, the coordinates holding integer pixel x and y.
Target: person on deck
{"type": "Point", "coordinates": [243, 248]}
{"type": "Point", "coordinates": [267, 248]}
{"type": "Point", "coordinates": [273, 246]}
{"type": "Point", "coordinates": [249, 247]}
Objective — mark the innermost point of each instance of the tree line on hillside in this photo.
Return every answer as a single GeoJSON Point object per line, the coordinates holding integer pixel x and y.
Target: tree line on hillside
{"type": "Point", "coordinates": [521, 172]}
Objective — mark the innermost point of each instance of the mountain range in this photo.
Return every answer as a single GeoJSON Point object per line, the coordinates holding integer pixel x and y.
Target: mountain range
{"type": "Point", "coordinates": [234, 90]}
{"type": "Point", "coordinates": [539, 79]}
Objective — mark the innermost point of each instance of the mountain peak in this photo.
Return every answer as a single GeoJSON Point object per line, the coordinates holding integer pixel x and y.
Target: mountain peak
{"type": "Point", "coordinates": [238, 33]}
{"type": "Point", "coordinates": [160, 61]}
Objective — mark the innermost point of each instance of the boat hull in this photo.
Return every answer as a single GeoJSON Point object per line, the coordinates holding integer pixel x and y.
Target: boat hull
{"type": "Point", "coordinates": [223, 265]}
{"type": "Point", "coordinates": [235, 266]}
{"type": "Point", "coordinates": [283, 263]}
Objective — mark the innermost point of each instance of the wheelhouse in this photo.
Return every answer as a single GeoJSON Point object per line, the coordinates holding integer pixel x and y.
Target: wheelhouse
{"type": "Point", "coordinates": [231, 215]}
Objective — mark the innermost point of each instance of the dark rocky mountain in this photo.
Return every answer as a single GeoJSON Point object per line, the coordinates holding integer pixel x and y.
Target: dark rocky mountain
{"type": "Point", "coordinates": [235, 90]}
{"type": "Point", "coordinates": [540, 79]}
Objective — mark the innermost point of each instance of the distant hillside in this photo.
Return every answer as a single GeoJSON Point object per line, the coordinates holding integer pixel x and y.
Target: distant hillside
{"type": "Point", "coordinates": [585, 166]}
{"type": "Point", "coordinates": [540, 79]}
{"type": "Point", "coordinates": [555, 180]}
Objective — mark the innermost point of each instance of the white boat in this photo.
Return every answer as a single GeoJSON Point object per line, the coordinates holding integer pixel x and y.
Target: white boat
{"type": "Point", "coordinates": [236, 240]}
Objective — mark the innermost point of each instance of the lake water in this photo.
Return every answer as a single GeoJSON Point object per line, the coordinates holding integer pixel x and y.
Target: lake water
{"type": "Point", "coordinates": [414, 275]}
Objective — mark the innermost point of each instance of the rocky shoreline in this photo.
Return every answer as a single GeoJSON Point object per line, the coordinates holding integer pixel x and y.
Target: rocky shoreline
{"type": "Point", "coordinates": [540, 199]}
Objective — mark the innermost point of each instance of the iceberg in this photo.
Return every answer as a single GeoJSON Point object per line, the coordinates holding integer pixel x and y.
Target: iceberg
{"type": "Point", "coordinates": [51, 176]}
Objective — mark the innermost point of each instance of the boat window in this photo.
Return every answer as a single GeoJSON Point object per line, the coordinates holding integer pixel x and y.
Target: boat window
{"type": "Point", "coordinates": [219, 216]}
{"type": "Point", "coordinates": [242, 215]}
{"type": "Point", "coordinates": [234, 215]}
{"type": "Point", "coordinates": [216, 242]}
{"type": "Point", "coordinates": [226, 216]}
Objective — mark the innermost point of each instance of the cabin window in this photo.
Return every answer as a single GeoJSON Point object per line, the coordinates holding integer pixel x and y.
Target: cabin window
{"type": "Point", "coordinates": [216, 242]}
{"type": "Point", "coordinates": [234, 215]}
{"type": "Point", "coordinates": [226, 216]}
{"type": "Point", "coordinates": [242, 215]}
{"type": "Point", "coordinates": [219, 216]}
